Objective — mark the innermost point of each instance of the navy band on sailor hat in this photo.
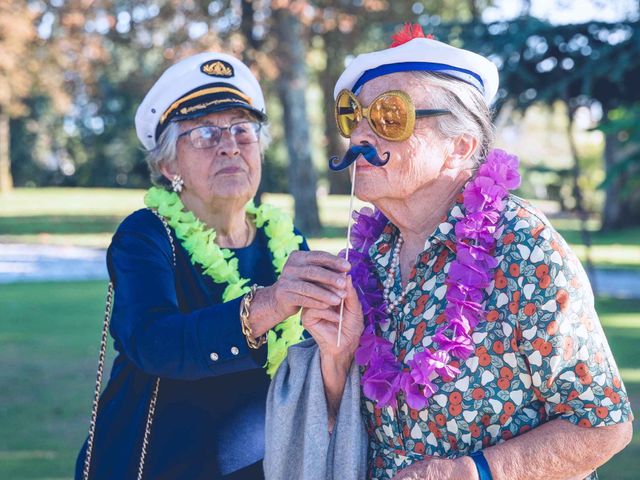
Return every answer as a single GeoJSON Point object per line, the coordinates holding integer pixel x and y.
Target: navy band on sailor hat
{"type": "Point", "coordinates": [422, 54]}
{"type": "Point", "coordinates": [196, 86]}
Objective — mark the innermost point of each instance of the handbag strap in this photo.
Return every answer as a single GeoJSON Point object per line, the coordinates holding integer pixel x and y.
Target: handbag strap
{"type": "Point", "coordinates": [96, 395]}
{"type": "Point", "coordinates": [101, 357]}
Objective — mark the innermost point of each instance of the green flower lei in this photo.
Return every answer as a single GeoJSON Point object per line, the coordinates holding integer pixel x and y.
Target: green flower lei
{"type": "Point", "coordinates": [221, 265]}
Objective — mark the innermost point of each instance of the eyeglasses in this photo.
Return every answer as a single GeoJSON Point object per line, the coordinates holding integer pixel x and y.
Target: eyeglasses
{"type": "Point", "coordinates": [208, 136]}
{"type": "Point", "coordinates": [392, 115]}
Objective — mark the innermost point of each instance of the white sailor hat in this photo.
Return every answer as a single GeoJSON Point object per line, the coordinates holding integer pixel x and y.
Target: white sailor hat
{"type": "Point", "coordinates": [421, 54]}
{"type": "Point", "coordinates": [196, 86]}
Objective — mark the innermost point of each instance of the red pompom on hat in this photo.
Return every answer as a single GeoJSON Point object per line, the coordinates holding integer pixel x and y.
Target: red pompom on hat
{"type": "Point", "coordinates": [409, 32]}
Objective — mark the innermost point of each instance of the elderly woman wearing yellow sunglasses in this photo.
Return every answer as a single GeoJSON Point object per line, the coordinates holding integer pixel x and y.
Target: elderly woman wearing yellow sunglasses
{"type": "Point", "coordinates": [478, 352]}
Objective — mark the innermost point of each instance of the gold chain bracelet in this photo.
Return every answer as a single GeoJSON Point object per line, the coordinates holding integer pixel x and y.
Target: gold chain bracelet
{"type": "Point", "coordinates": [245, 307]}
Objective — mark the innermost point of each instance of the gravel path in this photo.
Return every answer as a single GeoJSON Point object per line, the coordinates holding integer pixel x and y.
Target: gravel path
{"type": "Point", "coordinates": [31, 263]}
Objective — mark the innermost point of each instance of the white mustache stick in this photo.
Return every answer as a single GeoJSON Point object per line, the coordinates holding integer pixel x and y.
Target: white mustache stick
{"type": "Point", "coordinates": [346, 257]}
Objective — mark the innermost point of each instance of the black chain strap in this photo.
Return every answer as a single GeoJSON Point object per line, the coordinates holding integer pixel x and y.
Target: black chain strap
{"type": "Point", "coordinates": [101, 357]}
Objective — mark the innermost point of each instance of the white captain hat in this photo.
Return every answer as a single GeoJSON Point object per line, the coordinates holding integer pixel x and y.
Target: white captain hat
{"type": "Point", "coordinates": [412, 51]}
{"type": "Point", "coordinates": [196, 86]}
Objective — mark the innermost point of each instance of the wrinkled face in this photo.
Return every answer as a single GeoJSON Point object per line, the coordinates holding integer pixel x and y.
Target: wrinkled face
{"type": "Point", "coordinates": [228, 170]}
{"type": "Point", "coordinates": [414, 162]}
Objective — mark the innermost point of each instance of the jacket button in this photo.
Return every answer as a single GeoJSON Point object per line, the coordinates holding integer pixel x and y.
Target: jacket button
{"type": "Point", "coordinates": [234, 350]}
{"type": "Point", "coordinates": [214, 356]}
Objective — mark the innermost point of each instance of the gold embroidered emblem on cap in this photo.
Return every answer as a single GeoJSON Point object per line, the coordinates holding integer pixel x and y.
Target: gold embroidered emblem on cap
{"type": "Point", "coordinates": [217, 68]}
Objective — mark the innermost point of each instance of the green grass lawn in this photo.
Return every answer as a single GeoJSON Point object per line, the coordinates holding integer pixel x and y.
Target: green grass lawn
{"type": "Point", "coordinates": [49, 335]}
{"type": "Point", "coordinates": [88, 217]}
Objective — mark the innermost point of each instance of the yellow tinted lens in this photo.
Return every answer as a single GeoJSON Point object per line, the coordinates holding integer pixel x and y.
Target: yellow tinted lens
{"type": "Point", "coordinates": [347, 113]}
{"type": "Point", "coordinates": [389, 116]}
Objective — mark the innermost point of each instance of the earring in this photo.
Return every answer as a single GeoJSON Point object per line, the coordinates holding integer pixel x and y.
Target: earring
{"type": "Point", "coordinates": [177, 183]}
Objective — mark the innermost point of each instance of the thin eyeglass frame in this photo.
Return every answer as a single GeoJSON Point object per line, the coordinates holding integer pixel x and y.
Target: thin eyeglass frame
{"type": "Point", "coordinates": [222, 130]}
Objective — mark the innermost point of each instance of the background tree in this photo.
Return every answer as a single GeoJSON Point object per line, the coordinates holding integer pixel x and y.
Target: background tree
{"type": "Point", "coordinates": [105, 58]}
{"type": "Point", "coordinates": [17, 75]}
{"type": "Point", "coordinates": [292, 83]}
{"type": "Point", "coordinates": [622, 154]}
{"type": "Point", "coordinates": [579, 65]}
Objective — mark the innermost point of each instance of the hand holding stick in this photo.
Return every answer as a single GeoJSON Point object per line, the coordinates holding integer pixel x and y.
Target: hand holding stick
{"type": "Point", "coordinates": [346, 257]}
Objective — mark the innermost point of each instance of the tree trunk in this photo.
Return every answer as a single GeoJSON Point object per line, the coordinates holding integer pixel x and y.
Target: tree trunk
{"type": "Point", "coordinates": [292, 85]}
{"type": "Point", "coordinates": [6, 180]}
{"type": "Point", "coordinates": [612, 216]}
{"type": "Point", "coordinates": [339, 182]}
{"type": "Point", "coordinates": [474, 10]}
{"type": "Point", "coordinates": [578, 197]}
{"type": "Point", "coordinates": [621, 208]}
{"type": "Point", "coordinates": [247, 24]}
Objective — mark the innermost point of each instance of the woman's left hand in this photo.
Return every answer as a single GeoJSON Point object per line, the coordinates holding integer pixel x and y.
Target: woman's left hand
{"type": "Point", "coordinates": [335, 361]}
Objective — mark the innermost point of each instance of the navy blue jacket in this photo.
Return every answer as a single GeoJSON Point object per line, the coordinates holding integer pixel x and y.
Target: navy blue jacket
{"type": "Point", "coordinates": [168, 322]}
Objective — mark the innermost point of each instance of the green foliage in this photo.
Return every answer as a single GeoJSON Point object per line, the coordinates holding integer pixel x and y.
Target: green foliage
{"type": "Point", "coordinates": [541, 62]}
{"type": "Point", "coordinates": [625, 124]}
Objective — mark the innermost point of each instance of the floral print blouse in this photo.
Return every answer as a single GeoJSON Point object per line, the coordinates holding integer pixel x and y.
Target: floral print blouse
{"type": "Point", "coordinates": [541, 353]}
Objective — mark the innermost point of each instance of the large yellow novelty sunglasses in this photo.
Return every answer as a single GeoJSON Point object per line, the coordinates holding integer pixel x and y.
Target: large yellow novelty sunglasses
{"type": "Point", "coordinates": [391, 115]}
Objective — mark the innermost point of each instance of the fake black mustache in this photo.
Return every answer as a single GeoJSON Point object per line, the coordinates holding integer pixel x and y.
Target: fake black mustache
{"type": "Point", "coordinates": [369, 153]}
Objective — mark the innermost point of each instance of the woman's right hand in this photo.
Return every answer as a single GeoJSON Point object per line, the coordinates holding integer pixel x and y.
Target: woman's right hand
{"type": "Point", "coordinates": [323, 324]}
{"type": "Point", "coordinates": [314, 280]}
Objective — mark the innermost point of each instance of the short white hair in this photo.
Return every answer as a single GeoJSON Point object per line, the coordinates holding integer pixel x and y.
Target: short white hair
{"type": "Point", "coordinates": [469, 112]}
{"type": "Point", "coordinates": [165, 151]}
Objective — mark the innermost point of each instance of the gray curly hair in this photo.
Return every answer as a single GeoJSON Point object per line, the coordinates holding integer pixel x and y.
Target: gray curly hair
{"type": "Point", "coordinates": [165, 152]}
{"type": "Point", "coordinates": [469, 112]}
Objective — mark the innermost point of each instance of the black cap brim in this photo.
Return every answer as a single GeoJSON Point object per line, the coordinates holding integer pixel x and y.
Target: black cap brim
{"type": "Point", "coordinates": [207, 99]}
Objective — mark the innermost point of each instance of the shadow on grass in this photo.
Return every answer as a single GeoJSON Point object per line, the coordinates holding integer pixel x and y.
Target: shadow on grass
{"type": "Point", "coordinates": [81, 224]}
{"type": "Point", "coordinates": [58, 224]}
{"type": "Point", "coordinates": [70, 224]}
{"type": "Point", "coordinates": [332, 232]}
{"type": "Point", "coordinates": [629, 236]}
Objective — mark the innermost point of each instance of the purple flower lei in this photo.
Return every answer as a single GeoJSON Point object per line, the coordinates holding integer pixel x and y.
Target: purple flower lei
{"type": "Point", "coordinates": [469, 274]}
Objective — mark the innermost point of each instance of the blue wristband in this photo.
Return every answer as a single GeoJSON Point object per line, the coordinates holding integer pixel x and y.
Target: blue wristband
{"type": "Point", "coordinates": [484, 472]}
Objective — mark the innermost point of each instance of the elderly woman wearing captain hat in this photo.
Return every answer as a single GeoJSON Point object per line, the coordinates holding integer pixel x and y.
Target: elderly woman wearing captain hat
{"type": "Point", "coordinates": [479, 350]}
{"type": "Point", "coordinates": [196, 336]}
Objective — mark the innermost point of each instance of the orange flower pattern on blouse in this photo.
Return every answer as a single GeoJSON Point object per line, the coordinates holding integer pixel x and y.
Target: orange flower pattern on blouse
{"type": "Point", "coordinates": [541, 353]}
